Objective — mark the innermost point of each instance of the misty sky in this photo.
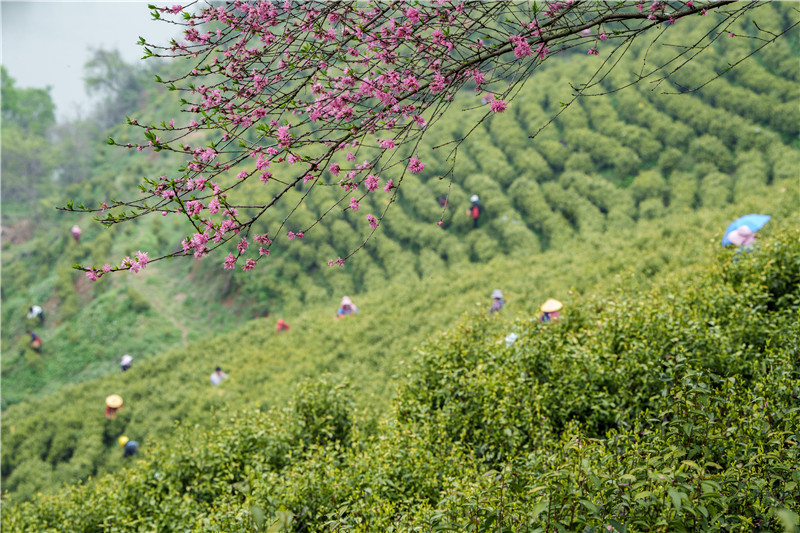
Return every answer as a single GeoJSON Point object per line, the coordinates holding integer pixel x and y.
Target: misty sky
{"type": "Point", "coordinates": [47, 43]}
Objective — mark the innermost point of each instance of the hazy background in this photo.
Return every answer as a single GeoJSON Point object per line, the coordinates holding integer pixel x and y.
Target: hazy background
{"type": "Point", "coordinates": [48, 43]}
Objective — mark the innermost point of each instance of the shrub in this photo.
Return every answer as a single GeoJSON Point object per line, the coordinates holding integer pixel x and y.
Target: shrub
{"type": "Point", "coordinates": [323, 411]}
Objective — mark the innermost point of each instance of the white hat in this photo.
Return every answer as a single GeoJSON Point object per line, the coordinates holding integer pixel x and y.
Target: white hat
{"type": "Point", "coordinates": [551, 306]}
{"type": "Point", "coordinates": [473, 198]}
{"type": "Point", "coordinates": [497, 293]}
{"type": "Point", "coordinates": [126, 359]}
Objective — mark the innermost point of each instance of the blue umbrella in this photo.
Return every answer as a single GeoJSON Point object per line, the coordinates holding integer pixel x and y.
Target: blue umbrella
{"type": "Point", "coordinates": [754, 222]}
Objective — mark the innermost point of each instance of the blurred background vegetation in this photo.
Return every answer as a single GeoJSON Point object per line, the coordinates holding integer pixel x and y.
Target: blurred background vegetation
{"type": "Point", "coordinates": [617, 208]}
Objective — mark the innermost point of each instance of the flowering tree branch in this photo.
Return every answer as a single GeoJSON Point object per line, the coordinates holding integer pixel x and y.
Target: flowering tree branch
{"type": "Point", "coordinates": [340, 94]}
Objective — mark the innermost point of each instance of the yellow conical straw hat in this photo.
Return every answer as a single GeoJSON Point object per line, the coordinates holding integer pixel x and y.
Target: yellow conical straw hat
{"type": "Point", "coordinates": [114, 401]}
{"type": "Point", "coordinates": [551, 306]}
{"type": "Point", "coordinates": [123, 440]}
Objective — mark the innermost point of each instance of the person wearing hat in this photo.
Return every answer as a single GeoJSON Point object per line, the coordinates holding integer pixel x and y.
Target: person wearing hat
{"type": "Point", "coordinates": [346, 308]}
{"type": "Point", "coordinates": [125, 362]}
{"type": "Point", "coordinates": [281, 326]}
{"type": "Point", "coordinates": [475, 210]}
{"type": "Point", "coordinates": [76, 233]}
{"type": "Point", "coordinates": [218, 376]}
{"type": "Point", "coordinates": [497, 301]}
{"type": "Point", "coordinates": [131, 446]}
{"type": "Point", "coordinates": [113, 404]}
{"type": "Point", "coordinates": [742, 236]}
{"type": "Point", "coordinates": [550, 310]}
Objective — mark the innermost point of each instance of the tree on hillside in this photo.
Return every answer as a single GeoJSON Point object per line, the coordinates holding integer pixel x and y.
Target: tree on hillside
{"type": "Point", "coordinates": [27, 117]}
{"type": "Point", "coordinates": [313, 95]}
{"type": "Point", "coordinates": [119, 82]}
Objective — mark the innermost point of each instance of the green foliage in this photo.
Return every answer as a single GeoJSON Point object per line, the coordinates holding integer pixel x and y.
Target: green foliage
{"type": "Point", "coordinates": [668, 409]}
{"type": "Point", "coordinates": [137, 302]}
{"type": "Point", "coordinates": [611, 418]}
{"type": "Point", "coordinates": [324, 412]}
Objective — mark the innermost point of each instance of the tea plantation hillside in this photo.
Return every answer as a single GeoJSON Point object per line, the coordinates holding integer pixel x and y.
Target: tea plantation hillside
{"type": "Point", "coordinates": [669, 408]}
{"type": "Point", "coordinates": [603, 165]}
{"type": "Point", "coordinates": [64, 438]}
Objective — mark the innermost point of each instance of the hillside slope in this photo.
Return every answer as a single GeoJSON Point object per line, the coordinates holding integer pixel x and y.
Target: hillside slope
{"type": "Point", "coordinates": [673, 408]}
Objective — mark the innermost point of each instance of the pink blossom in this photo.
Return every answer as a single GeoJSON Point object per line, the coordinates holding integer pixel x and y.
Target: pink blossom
{"type": "Point", "coordinates": [142, 258]}
{"type": "Point", "coordinates": [478, 77]}
{"type": "Point", "coordinates": [350, 156]}
{"type": "Point", "coordinates": [498, 106]}
{"type": "Point", "coordinates": [284, 137]}
{"type": "Point", "coordinates": [354, 205]}
{"type": "Point", "coordinates": [415, 166]}
{"type": "Point", "coordinates": [542, 51]}
{"type": "Point", "coordinates": [522, 48]}
{"type": "Point", "coordinates": [372, 182]}
{"type": "Point", "coordinates": [334, 169]}
{"type": "Point", "coordinates": [338, 262]}
{"type": "Point", "coordinates": [230, 261]}
{"type": "Point", "coordinates": [410, 83]}
{"type": "Point", "coordinates": [243, 245]}
{"type": "Point", "coordinates": [106, 268]}
{"type": "Point", "coordinates": [387, 143]}
{"type": "Point", "coordinates": [373, 222]}
{"type": "Point", "coordinates": [249, 264]}
{"type": "Point", "coordinates": [593, 51]}
{"type": "Point", "coordinates": [93, 275]}
{"type": "Point", "coordinates": [291, 235]}
{"type": "Point", "coordinates": [389, 185]}
{"type": "Point", "coordinates": [731, 34]}
{"type": "Point", "coordinates": [603, 36]}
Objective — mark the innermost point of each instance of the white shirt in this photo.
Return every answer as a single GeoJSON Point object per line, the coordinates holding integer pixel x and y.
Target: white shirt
{"type": "Point", "coordinates": [217, 377]}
